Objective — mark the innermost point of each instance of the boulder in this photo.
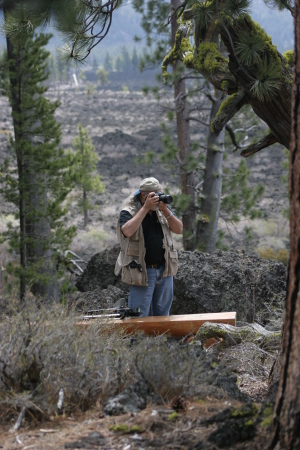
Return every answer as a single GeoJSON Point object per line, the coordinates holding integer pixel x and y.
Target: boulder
{"type": "Point", "coordinates": [132, 399]}
{"type": "Point", "coordinates": [99, 272]}
{"type": "Point", "coordinates": [205, 283]}
{"type": "Point", "coordinates": [229, 281]}
{"type": "Point", "coordinates": [98, 298]}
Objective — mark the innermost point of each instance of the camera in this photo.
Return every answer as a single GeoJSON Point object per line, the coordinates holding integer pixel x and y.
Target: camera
{"type": "Point", "coordinates": [164, 198]}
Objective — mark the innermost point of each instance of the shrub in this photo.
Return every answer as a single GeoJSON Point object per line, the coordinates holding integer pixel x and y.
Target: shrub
{"type": "Point", "coordinates": [280, 256]}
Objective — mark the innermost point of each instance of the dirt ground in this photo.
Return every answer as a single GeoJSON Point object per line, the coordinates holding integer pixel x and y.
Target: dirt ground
{"type": "Point", "coordinates": [151, 428]}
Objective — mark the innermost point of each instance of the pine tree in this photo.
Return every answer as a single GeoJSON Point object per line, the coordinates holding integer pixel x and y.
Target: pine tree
{"type": "Point", "coordinates": [108, 62]}
{"type": "Point", "coordinates": [84, 169]}
{"type": "Point", "coordinates": [126, 61]}
{"type": "Point", "coordinates": [135, 59]}
{"type": "Point", "coordinates": [119, 64]}
{"type": "Point", "coordinates": [102, 75]}
{"type": "Point", "coordinates": [39, 183]}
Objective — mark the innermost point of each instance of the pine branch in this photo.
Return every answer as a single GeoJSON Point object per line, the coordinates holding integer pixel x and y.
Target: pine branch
{"type": "Point", "coordinates": [232, 135]}
{"type": "Point", "coordinates": [259, 145]}
{"type": "Point", "coordinates": [198, 120]}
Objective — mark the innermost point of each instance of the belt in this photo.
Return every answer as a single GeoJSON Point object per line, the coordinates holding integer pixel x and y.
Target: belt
{"type": "Point", "coordinates": [154, 266]}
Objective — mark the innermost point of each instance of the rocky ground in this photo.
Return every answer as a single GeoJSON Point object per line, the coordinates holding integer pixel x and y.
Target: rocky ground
{"type": "Point", "coordinates": [197, 428]}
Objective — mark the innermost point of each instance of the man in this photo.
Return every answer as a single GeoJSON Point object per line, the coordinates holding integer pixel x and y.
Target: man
{"type": "Point", "coordinates": [147, 259]}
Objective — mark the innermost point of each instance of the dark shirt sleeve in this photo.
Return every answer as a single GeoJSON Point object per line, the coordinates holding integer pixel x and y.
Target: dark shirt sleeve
{"type": "Point", "coordinates": [124, 217]}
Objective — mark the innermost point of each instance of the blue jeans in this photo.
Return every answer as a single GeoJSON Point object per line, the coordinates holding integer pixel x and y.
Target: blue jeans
{"type": "Point", "coordinates": [158, 294]}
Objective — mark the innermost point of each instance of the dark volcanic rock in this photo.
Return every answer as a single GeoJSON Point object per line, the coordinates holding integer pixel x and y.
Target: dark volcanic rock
{"type": "Point", "coordinates": [132, 399]}
{"type": "Point", "coordinates": [222, 281]}
{"type": "Point", "coordinates": [228, 281]}
{"type": "Point", "coordinates": [99, 273]}
{"type": "Point", "coordinates": [98, 299]}
{"type": "Point", "coordinates": [93, 440]}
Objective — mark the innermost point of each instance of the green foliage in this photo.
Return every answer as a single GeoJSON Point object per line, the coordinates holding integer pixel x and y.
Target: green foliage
{"type": "Point", "coordinates": [102, 75]}
{"type": "Point", "coordinates": [268, 82]}
{"type": "Point", "coordinates": [126, 429]}
{"type": "Point", "coordinates": [238, 198]}
{"type": "Point", "coordinates": [170, 148]}
{"type": "Point", "coordinates": [84, 166]}
{"type": "Point", "coordinates": [180, 202]}
{"type": "Point", "coordinates": [4, 79]}
{"type": "Point", "coordinates": [36, 173]}
{"type": "Point", "coordinates": [204, 13]}
{"type": "Point", "coordinates": [235, 8]}
{"type": "Point", "coordinates": [153, 19]}
{"type": "Point", "coordinates": [289, 57]}
{"type": "Point", "coordinates": [173, 417]}
{"type": "Point", "coordinates": [249, 47]}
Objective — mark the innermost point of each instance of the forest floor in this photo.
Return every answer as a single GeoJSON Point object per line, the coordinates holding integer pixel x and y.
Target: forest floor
{"type": "Point", "coordinates": [151, 428]}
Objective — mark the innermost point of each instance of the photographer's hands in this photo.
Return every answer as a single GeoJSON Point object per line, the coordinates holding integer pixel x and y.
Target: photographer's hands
{"type": "Point", "coordinates": [151, 201]}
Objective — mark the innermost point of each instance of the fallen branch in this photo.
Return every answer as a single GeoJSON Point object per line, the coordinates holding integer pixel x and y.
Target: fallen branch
{"type": "Point", "coordinates": [230, 335]}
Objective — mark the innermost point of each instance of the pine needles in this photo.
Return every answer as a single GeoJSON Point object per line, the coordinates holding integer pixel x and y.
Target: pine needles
{"type": "Point", "coordinates": [268, 82]}
{"type": "Point", "coordinates": [249, 48]}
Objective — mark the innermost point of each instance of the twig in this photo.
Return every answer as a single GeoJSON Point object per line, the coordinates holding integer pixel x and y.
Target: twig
{"type": "Point", "coordinates": [19, 420]}
{"type": "Point", "coordinates": [61, 396]}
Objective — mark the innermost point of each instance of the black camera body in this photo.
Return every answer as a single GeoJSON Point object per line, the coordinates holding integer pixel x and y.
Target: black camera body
{"type": "Point", "coordinates": [164, 198]}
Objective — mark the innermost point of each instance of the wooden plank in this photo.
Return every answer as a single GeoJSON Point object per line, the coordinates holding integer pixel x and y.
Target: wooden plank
{"type": "Point", "coordinates": [176, 326]}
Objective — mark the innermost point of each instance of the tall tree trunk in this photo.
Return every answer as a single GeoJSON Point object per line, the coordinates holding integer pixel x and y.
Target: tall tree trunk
{"type": "Point", "coordinates": [38, 233]}
{"type": "Point", "coordinates": [34, 226]}
{"type": "Point", "coordinates": [287, 407]}
{"type": "Point", "coordinates": [207, 225]}
{"type": "Point", "coordinates": [16, 100]}
{"type": "Point", "coordinates": [184, 144]}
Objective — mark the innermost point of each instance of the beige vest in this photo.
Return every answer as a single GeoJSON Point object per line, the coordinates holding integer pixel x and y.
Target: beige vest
{"type": "Point", "coordinates": [133, 249]}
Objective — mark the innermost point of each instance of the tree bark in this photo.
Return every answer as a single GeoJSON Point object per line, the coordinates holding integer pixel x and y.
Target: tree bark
{"type": "Point", "coordinates": [207, 225]}
{"type": "Point", "coordinates": [184, 144]}
{"type": "Point", "coordinates": [16, 99]}
{"type": "Point", "coordinates": [287, 407]}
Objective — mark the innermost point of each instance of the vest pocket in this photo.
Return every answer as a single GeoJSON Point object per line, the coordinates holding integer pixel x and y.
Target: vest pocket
{"type": "Point", "coordinates": [173, 262]}
{"type": "Point", "coordinates": [133, 248]}
{"type": "Point", "coordinates": [133, 276]}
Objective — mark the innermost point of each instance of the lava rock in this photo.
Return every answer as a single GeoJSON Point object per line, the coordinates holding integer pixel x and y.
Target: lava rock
{"type": "Point", "coordinates": [133, 399]}
{"type": "Point", "coordinates": [93, 440]}
{"type": "Point", "coordinates": [98, 299]}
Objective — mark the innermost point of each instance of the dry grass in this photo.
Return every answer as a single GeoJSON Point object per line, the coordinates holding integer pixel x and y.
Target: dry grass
{"type": "Point", "coordinates": [42, 350]}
